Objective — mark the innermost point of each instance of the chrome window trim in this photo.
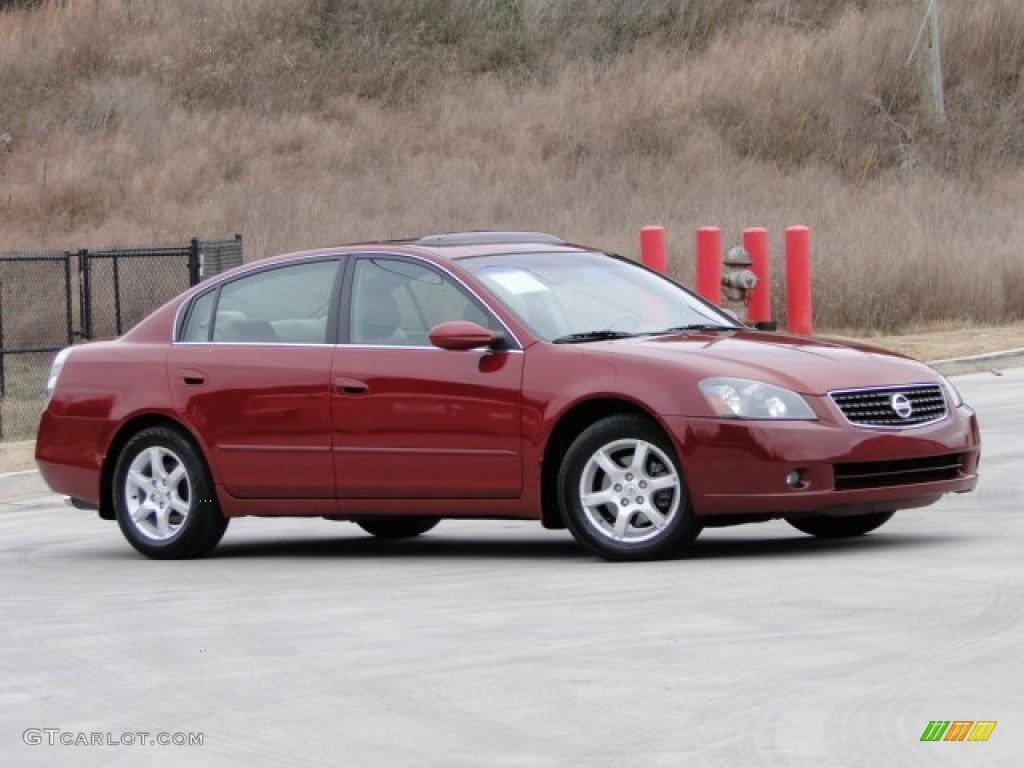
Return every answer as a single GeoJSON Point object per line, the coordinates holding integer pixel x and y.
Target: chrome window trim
{"type": "Point", "coordinates": [252, 344]}
{"type": "Point", "coordinates": [430, 348]}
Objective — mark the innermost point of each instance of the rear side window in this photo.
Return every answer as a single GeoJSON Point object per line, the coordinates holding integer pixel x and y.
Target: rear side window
{"type": "Point", "coordinates": [198, 326]}
{"type": "Point", "coordinates": [286, 305]}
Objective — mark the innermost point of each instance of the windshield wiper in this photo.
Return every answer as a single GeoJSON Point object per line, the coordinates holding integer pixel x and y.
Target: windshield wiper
{"type": "Point", "coordinates": [576, 338]}
{"type": "Point", "coordinates": [700, 327]}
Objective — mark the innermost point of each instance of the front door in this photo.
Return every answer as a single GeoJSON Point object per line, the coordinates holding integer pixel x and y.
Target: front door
{"type": "Point", "coordinates": [411, 420]}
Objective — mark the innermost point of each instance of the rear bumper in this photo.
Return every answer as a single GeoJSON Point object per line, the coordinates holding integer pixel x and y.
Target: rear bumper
{"type": "Point", "coordinates": [69, 454]}
{"type": "Point", "coordinates": [741, 468]}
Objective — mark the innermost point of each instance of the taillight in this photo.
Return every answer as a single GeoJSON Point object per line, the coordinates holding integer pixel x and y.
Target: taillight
{"type": "Point", "coordinates": [55, 369]}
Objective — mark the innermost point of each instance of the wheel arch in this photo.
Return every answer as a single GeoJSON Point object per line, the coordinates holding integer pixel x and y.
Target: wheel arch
{"type": "Point", "coordinates": [570, 425]}
{"type": "Point", "coordinates": [125, 433]}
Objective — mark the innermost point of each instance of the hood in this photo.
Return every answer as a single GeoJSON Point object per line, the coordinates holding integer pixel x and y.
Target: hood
{"type": "Point", "coordinates": [805, 365]}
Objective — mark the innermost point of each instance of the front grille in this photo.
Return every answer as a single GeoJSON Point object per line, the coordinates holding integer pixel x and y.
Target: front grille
{"type": "Point", "coordinates": [910, 406]}
{"type": "Point", "coordinates": [882, 474]}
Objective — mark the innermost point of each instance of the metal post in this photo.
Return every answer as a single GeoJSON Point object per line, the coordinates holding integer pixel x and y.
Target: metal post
{"type": "Point", "coordinates": [67, 298]}
{"type": "Point", "coordinates": [652, 249]}
{"type": "Point", "coordinates": [85, 288]}
{"type": "Point", "coordinates": [709, 264]}
{"type": "Point", "coordinates": [117, 292]}
{"type": "Point", "coordinates": [798, 281]}
{"type": "Point", "coordinates": [755, 240]}
{"type": "Point", "coordinates": [193, 262]}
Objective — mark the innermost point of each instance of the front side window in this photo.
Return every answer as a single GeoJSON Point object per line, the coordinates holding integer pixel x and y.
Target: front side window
{"type": "Point", "coordinates": [285, 305]}
{"type": "Point", "coordinates": [397, 303]}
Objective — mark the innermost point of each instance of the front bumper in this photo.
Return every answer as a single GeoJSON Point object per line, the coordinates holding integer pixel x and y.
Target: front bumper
{"type": "Point", "coordinates": [741, 467]}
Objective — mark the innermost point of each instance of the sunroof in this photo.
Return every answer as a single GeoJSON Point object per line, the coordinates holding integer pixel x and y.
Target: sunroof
{"type": "Point", "coordinates": [489, 238]}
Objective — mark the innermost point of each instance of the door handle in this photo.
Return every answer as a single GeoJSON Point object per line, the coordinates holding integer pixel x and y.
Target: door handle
{"type": "Point", "coordinates": [346, 386]}
{"type": "Point", "coordinates": [192, 377]}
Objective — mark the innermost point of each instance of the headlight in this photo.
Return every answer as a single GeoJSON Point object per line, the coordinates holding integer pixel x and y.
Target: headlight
{"type": "Point", "coordinates": [55, 367]}
{"type": "Point", "coordinates": [744, 399]}
{"type": "Point", "coordinates": [954, 393]}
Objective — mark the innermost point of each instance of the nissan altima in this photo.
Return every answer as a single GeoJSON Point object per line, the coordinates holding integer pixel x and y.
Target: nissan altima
{"type": "Point", "coordinates": [499, 375]}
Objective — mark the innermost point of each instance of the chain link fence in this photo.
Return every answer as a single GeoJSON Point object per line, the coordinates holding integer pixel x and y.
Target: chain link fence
{"type": "Point", "coordinates": [49, 300]}
{"type": "Point", "coordinates": [35, 301]}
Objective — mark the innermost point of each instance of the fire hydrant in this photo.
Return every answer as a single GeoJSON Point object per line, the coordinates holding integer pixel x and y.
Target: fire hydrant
{"type": "Point", "coordinates": [738, 280]}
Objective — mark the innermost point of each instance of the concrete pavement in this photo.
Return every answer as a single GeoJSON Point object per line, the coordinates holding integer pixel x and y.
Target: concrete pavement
{"type": "Point", "coordinates": [304, 642]}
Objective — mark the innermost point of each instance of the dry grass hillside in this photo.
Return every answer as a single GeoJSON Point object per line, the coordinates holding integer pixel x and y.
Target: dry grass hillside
{"type": "Point", "coordinates": [306, 122]}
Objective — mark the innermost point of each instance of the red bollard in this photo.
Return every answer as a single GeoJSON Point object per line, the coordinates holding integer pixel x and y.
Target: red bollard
{"type": "Point", "coordinates": [798, 280]}
{"type": "Point", "coordinates": [709, 264]}
{"type": "Point", "coordinates": [652, 249]}
{"type": "Point", "coordinates": [755, 240]}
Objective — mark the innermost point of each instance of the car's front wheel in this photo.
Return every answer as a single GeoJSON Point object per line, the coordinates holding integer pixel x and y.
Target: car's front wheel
{"type": "Point", "coordinates": [622, 491]}
{"type": "Point", "coordinates": [397, 527]}
{"type": "Point", "coordinates": [825, 527]}
{"type": "Point", "coordinates": [164, 498]}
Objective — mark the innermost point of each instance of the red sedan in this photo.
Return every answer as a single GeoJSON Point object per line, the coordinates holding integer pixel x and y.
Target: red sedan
{"type": "Point", "coordinates": [488, 375]}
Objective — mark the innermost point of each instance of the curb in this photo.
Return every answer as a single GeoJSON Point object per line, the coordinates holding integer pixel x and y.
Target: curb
{"type": "Point", "coordinates": [990, 361]}
{"type": "Point", "coordinates": [18, 486]}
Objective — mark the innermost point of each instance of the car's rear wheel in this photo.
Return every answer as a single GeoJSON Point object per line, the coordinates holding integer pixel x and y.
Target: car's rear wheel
{"type": "Point", "coordinates": [622, 491]}
{"type": "Point", "coordinates": [164, 498]}
{"type": "Point", "coordinates": [397, 527]}
{"type": "Point", "coordinates": [825, 527]}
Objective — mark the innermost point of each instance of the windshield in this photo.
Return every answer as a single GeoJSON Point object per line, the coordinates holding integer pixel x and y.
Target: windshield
{"type": "Point", "coordinates": [586, 296]}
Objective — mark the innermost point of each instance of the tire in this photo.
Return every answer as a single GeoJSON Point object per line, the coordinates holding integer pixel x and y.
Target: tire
{"type": "Point", "coordinates": [164, 499]}
{"type": "Point", "coordinates": [397, 527]}
{"type": "Point", "coordinates": [622, 492]}
{"type": "Point", "coordinates": [825, 527]}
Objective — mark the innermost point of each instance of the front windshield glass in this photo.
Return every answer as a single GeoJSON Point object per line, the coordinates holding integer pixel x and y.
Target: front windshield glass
{"type": "Point", "coordinates": [580, 296]}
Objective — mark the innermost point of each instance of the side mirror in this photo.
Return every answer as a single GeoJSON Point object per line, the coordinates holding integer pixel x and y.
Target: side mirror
{"type": "Point", "coordinates": [462, 335]}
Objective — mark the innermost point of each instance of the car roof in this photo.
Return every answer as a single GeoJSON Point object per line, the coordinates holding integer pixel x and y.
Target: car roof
{"type": "Point", "coordinates": [451, 245]}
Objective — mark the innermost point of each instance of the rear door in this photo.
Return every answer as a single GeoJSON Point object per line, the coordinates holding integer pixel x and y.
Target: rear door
{"type": "Point", "coordinates": [410, 420]}
{"type": "Point", "coordinates": [251, 370]}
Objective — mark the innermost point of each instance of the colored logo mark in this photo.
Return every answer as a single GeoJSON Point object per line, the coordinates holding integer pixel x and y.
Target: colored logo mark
{"type": "Point", "coordinates": [958, 730]}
